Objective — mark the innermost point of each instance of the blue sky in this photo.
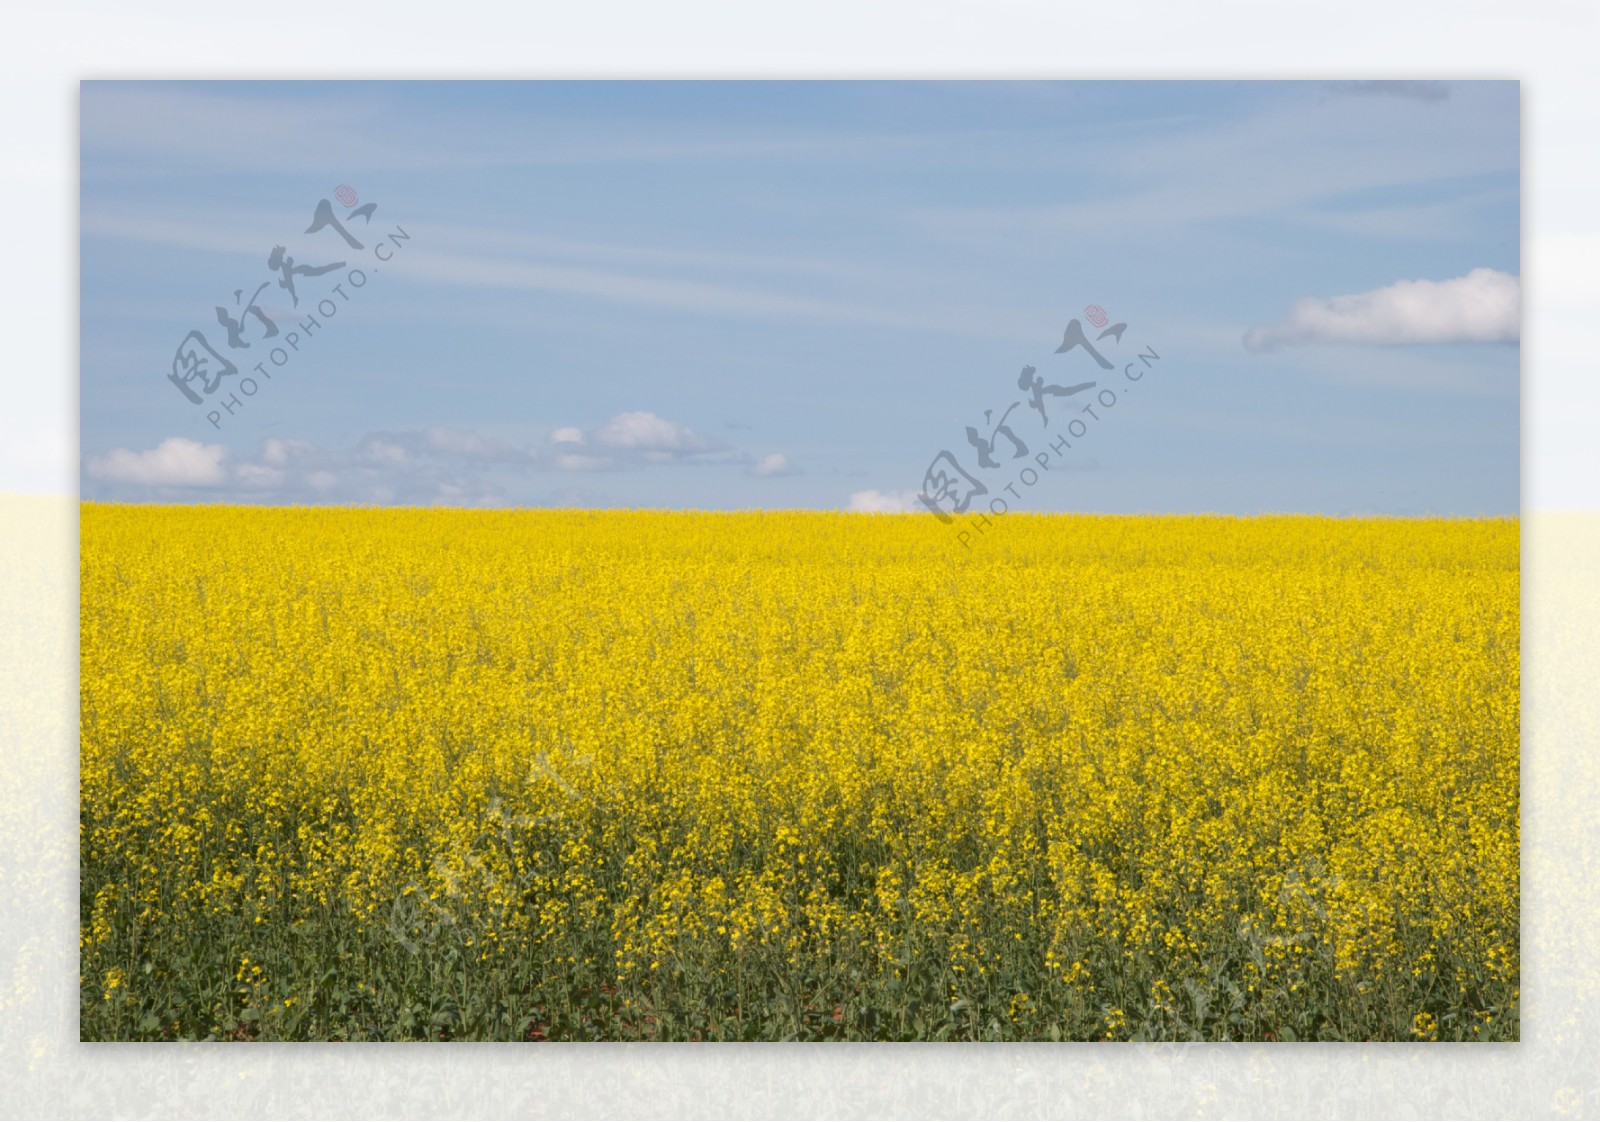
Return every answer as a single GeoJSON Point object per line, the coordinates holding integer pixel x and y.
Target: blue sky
{"type": "Point", "coordinates": [731, 295]}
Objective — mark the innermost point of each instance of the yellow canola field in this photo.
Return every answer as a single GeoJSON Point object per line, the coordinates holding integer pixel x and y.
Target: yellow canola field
{"type": "Point", "coordinates": [447, 774]}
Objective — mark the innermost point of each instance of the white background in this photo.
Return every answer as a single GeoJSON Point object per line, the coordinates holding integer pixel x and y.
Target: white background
{"type": "Point", "coordinates": [1548, 44]}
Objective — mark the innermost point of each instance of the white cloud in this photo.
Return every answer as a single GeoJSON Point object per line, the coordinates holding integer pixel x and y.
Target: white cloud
{"type": "Point", "coordinates": [431, 464]}
{"type": "Point", "coordinates": [259, 475]}
{"type": "Point", "coordinates": [383, 451]}
{"type": "Point", "coordinates": [772, 465]}
{"type": "Point", "coordinates": [278, 452]}
{"type": "Point", "coordinates": [646, 432]}
{"type": "Point", "coordinates": [175, 462]}
{"type": "Point", "coordinates": [638, 438]}
{"type": "Point", "coordinates": [436, 442]}
{"type": "Point", "coordinates": [885, 502]}
{"type": "Point", "coordinates": [468, 445]}
{"type": "Point", "coordinates": [1485, 306]}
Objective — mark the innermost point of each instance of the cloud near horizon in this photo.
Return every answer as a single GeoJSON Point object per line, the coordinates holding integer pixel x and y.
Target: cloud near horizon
{"type": "Point", "coordinates": [633, 438]}
{"type": "Point", "coordinates": [433, 464]}
{"type": "Point", "coordinates": [176, 462]}
{"type": "Point", "coordinates": [874, 501]}
{"type": "Point", "coordinates": [1485, 306]}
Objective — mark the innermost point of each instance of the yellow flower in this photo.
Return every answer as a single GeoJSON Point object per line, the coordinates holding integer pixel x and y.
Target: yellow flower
{"type": "Point", "coordinates": [661, 757]}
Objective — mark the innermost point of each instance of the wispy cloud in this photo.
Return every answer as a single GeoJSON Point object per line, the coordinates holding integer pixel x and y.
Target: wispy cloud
{"type": "Point", "coordinates": [427, 466]}
{"type": "Point", "coordinates": [467, 445]}
{"type": "Point", "coordinates": [246, 235]}
{"type": "Point", "coordinates": [1412, 91]}
{"type": "Point", "coordinates": [1236, 170]}
{"type": "Point", "coordinates": [438, 463]}
{"type": "Point", "coordinates": [659, 277]}
{"type": "Point", "coordinates": [364, 127]}
{"type": "Point", "coordinates": [1485, 306]}
{"type": "Point", "coordinates": [1436, 220]}
{"type": "Point", "coordinates": [635, 439]}
{"type": "Point", "coordinates": [739, 300]}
